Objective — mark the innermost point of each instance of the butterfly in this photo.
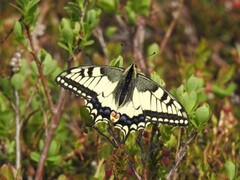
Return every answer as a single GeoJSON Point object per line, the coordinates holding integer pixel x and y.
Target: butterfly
{"type": "Point", "coordinates": [125, 98]}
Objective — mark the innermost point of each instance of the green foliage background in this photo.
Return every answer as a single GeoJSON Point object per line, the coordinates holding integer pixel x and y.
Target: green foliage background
{"type": "Point", "coordinates": [196, 45]}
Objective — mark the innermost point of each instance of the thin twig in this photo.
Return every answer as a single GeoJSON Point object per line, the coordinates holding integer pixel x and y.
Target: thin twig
{"type": "Point", "coordinates": [99, 35]}
{"type": "Point", "coordinates": [5, 38]}
{"type": "Point", "coordinates": [134, 170]}
{"type": "Point", "coordinates": [18, 130]}
{"type": "Point", "coordinates": [25, 121]}
{"type": "Point", "coordinates": [102, 134]}
{"type": "Point", "coordinates": [130, 163]}
{"type": "Point", "coordinates": [180, 155]}
{"type": "Point", "coordinates": [40, 71]}
{"type": "Point", "coordinates": [57, 113]}
{"type": "Point", "coordinates": [125, 35]}
{"type": "Point", "coordinates": [138, 44]}
{"type": "Point", "coordinates": [153, 145]}
{"type": "Point", "coordinates": [171, 27]}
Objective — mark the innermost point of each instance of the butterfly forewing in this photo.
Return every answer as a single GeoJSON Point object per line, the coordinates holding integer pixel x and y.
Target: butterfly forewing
{"type": "Point", "coordinates": [88, 81]}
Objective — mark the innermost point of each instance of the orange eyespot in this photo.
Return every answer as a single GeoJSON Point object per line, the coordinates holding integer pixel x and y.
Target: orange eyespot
{"type": "Point", "coordinates": [115, 116]}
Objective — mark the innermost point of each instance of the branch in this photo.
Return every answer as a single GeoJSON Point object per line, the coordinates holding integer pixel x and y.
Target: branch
{"type": "Point", "coordinates": [40, 71]}
{"type": "Point", "coordinates": [105, 136]}
{"type": "Point", "coordinates": [138, 44]}
{"type": "Point", "coordinates": [171, 27]}
{"type": "Point", "coordinates": [130, 163]}
{"type": "Point", "coordinates": [18, 129]}
{"type": "Point", "coordinates": [5, 38]}
{"type": "Point", "coordinates": [99, 35]}
{"type": "Point", "coordinates": [180, 155]}
{"type": "Point", "coordinates": [57, 113]}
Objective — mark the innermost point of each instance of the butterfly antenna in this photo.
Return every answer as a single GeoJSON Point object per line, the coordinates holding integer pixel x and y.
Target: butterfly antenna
{"type": "Point", "coordinates": [145, 57]}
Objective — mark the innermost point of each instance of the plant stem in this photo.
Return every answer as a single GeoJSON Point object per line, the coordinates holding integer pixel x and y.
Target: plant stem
{"type": "Point", "coordinates": [40, 70]}
{"type": "Point", "coordinates": [18, 129]}
{"type": "Point", "coordinates": [57, 113]}
{"type": "Point", "coordinates": [180, 155]}
{"type": "Point", "coordinates": [99, 35]}
{"type": "Point", "coordinates": [171, 26]}
{"type": "Point", "coordinates": [138, 44]}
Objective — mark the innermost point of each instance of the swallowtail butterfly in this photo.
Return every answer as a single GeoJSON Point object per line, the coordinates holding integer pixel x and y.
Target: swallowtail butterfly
{"type": "Point", "coordinates": [126, 98]}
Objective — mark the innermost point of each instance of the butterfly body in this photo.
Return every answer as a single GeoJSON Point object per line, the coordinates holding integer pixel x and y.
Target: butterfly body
{"type": "Point", "coordinates": [126, 98]}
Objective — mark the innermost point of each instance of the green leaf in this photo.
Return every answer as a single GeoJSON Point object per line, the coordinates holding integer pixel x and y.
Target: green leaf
{"type": "Point", "coordinates": [17, 29]}
{"type": "Point", "coordinates": [230, 169]}
{"type": "Point", "coordinates": [31, 6]}
{"type": "Point", "coordinates": [62, 177]}
{"type": "Point", "coordinates": [172, 142]}
{"type": "Point", "coordinates": [18, 32]}
{"type": "Point", "coordinates": [30, 12]}
{"type": "Point", "coordinates": [55, 159]}
{"type": "Point", "coordinates": [194, 83]}
{"type": "Point", "coordinates": [17, 81]}
{"type": "Point", "coordinates": [153, 48]}
{"type": "Point", "coordinates": [110, 31]}
{"type": "Point", "coordinates": [105, 150]}
{"type": "Point", "coordinates": [117, 62]}
{"type": "Point", "coordinates": [49, 65]}
{"type": "Point", "coordinates": [6, 172]}
{"type": "Point", "coordinates": [35, 156]}
{"type": "Point", "coordinates": [203, 114]}
{"type": "Point", "coordinates": [41, 144]}
{"type": "Point", "coordinates": [202, 53]}
{"type": "Point", "coordinates": [86, 116]}
{"type": "Point", "coordinates": [3, 102]}
{"type": "Point", "coordinates": [67, 34]}
{"type": "Point", "coordinates": [22, 3]}
{"type": "Point", "coordinates": [90, 22]}
{"type": "Point", "coordinates": [5, 85]}
{"type": "Point", "coordinates": [108, 6]}
{"type": "Point", "coordinates": [87, 43]}
{"type": "Point", "coordinates": [137, 7]}
{"type": "Point", "coordinates": [190, 100]}
{"type": "Point", "coordinates": [34, 68]}
{"type": "Point", "coordinates": [54, 148]}
{"type": "Point", "coordinates": [156, 78]}
{"type": "Point", "coordinates": [131, 15]}
{"type": "Point", "coordinates": [223, 92]}
{"type": "Point", "coordinates": [62, 45]}
{"type": "Point", "coordinates": [226, 74]}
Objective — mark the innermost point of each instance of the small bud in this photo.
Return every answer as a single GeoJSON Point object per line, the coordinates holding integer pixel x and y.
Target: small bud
{"type": "Point", "coordinates": [108, 172]}
{"type": "Point", "coordinates": [228, 109]}
{"type": "Point", "coordinates": [208, 88]}
{"type": "Point", "coordinates": [166, 161]}
{"type": "Point", "coordinates": [129, 171]}
{"type": "Point", "coordinates": [165, 152]}
{"type": "Point", "coordinates": [205, 132]}
{"type": "Point", "coordinates": [145, 134]}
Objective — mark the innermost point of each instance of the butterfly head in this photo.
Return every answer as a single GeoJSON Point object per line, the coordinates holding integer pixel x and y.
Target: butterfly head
{"type": "Point", "coordinates": [132, 70]}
